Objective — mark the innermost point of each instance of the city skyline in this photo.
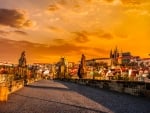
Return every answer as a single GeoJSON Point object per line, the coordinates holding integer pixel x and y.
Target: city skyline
{"type": "Point", "coordinates": [48, 30]}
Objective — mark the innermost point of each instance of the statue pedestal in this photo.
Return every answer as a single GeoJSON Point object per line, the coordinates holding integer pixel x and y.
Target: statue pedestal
{"type": "Point", "coordinates": [3, 93]}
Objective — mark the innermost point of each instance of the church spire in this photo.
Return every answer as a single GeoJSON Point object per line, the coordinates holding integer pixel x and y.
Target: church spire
{"type": "Point", "coordinates": [111, 54]}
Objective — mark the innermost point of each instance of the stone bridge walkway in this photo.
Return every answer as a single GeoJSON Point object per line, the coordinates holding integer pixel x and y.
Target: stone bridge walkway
{"type": "Point", "coordinates": [48, 96]}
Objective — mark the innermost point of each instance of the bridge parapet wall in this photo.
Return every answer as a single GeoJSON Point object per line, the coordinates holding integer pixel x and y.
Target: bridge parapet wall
{"type": "Point", "coordinates": [11, 86]}
{"type": "Point", "coordinates": [135, 88]}
{"type": "Point", "coordinates": [15, 85]}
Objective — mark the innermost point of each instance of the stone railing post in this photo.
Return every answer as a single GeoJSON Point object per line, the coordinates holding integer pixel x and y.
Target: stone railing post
{"type": "Point", "coordinates": [3, 92]}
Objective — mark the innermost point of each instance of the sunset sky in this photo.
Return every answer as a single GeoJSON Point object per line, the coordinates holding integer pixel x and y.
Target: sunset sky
{"type": "Point", "coordinates": [50, 29]}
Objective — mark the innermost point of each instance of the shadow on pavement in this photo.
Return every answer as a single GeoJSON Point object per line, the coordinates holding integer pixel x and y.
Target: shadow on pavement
{"type": "Point", "coordinates": [85, 108]}
{"type": "Point", "coordinates": [48, 87]}
{"type": "Point", "coordinates": [116, 102]}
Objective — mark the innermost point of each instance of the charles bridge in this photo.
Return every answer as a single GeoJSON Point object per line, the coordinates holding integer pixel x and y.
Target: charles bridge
{"type": "Point", "coordinates": [34, 94]}
{"type": "Point", "coordinates": [75, 95]}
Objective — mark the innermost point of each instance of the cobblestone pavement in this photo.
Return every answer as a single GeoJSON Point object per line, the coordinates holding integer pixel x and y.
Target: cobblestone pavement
{"type": "Point", "coordinates": [48, 96]}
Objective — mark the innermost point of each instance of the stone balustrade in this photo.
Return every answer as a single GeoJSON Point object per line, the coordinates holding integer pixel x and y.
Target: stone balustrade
{"type": "Point", "coordinates": [15, 85]}
{"type": "Point", "coordinates": [31, 80]}
{"type": "Point", "coordinates": [3, 91]}
{"type": "Point", "coordinates": [136, 88]}
{"type": "Point", "coordinates": [8, 87]}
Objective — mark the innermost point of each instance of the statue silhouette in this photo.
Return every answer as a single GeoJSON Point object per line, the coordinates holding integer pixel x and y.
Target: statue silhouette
{"type": "Point", "coordinates": [82, 67]}
{"type": "Point", "coordinates": [22, 60]}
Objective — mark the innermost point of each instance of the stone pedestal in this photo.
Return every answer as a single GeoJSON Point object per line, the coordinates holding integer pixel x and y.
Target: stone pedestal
{"type": "Point", "coordinates": [3, 93]}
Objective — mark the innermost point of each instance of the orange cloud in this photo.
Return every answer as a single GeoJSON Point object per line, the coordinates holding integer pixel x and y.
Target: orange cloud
{"type": "Point", "coordinates": [59, 41]}
{"type": "Point", "coordinates": [81, 37]}
{"type": "Point", "coordinates": [101, 51]}
{"type": "Point", "coordinates": [20, 32]}
{"type": "Point", "coordinates": [84, 36]}
{"type": "Point", "coordinates": [5, 33]}
{"type": "Point", "coordinates": [109, 0]}
{"type": "Point", "coordinates": [53, 7]}
{"type": "Point", "coordinates": [36, 50]}
{"type": "Point", "coordinates": [56, 29]}
{"type": "Point", "coordinates": [131, 1]}
{"type": "Point", "coordinates": [63, 2]}
{"type": "Point", "coordinates": [72, 27]}
{"type": "Point", "coordinates": [106, 36]}
{"type": "Point", "coordinates": [14, 18]}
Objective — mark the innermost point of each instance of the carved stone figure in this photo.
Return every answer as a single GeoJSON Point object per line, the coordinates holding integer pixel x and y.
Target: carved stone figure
{"type": "Point", "coordinates": [82, 67]}
{"type": "Point", "coordinates": [62, 68]}
{"type": "Point", "coordinates": [22, 60]}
